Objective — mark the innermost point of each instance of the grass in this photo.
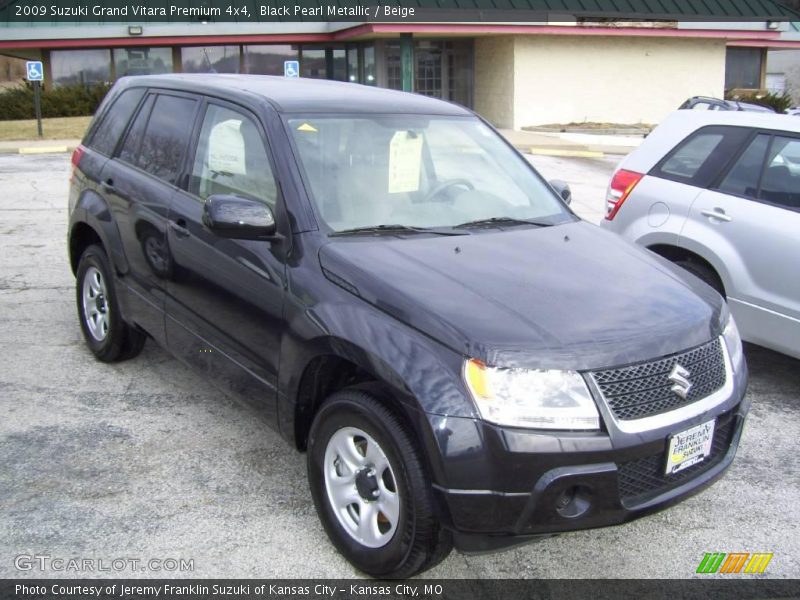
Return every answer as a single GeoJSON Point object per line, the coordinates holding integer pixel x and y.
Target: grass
{"type": "Point", "coordinates": [61, 128]}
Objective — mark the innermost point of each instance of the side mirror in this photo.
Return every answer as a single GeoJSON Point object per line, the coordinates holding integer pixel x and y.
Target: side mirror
{"type": "Point", "coordinates": [239, 218]}
{"type": "Point", "coordinates": [562, 189]}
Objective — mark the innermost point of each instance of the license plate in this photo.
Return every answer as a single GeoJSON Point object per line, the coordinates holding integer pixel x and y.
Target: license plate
{"type": "Point", "coordinates": [689, 447]}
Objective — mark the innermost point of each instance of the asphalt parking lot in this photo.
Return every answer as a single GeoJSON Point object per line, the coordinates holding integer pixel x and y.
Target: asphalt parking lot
{"type": "Point", "coordinates": [144, 460]}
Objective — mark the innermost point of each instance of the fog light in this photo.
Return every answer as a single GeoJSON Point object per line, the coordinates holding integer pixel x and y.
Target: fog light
{"type": "Point", "coordinates": [574, 501]}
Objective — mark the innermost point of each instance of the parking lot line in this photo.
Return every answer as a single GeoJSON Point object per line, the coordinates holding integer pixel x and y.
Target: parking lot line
{"type": "Point", "coordinates": [42, 149]}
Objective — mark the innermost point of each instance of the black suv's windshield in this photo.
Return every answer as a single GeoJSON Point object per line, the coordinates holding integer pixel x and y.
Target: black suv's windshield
{"type": "Point", "coordinates": [417, 171]}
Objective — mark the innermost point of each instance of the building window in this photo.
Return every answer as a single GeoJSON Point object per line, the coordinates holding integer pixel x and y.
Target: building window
{"type": "Point", "coordinates": [394, 71]}
{"type": "Point", "coordinates": [352, 64]}
{"type": "Point", "coordinates": [327, 62]}
{"type": "Point", "coordinates": [87, 67]}
{"type": "Point", "coordinates": [210, 59]}
{"type": "Point", "coordinates": [369, 65]}
{"type": "Point", "coordinates": [268, 60]}
{"type": "Point", "coordinates": [142, 61]}
{"type": "Point", "coordinates": [338, 64]}
{"type": "Point", "coordinates": [743, 68]}
{"type": "Point", "coordinates": [442, 69]}
{"type": "Point", "coordinates": [312, 63]}
{"type": "Point", "coordinates": [428, 68]}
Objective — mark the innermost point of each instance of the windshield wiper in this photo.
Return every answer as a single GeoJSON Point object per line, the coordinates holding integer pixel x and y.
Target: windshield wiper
{"type": "Point", "coordinates": [502, 221]}
{"type": "Point", "coordinates": [396, 228]}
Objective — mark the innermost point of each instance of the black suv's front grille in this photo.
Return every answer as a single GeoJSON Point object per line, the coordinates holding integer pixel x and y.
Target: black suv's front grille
{"type": "Point", "coordinates": [644, 478]}
{"type": "Point", "coordinates": [644, 389]}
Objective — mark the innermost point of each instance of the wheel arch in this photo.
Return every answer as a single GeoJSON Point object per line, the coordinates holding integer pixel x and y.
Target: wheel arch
{"type": "Point", "coordinates": [332, 365]}
{"type": "Point", "coordinates": [81, 237]}
{"type": "Point", "coordinates": [677, 253]}
{"type": "Point", "coordinates": [323, 375]}
{"type": "Point", "coordinates": [92, 223]}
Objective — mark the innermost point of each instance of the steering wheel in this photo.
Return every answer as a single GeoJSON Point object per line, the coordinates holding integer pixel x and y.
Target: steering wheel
{"type": "Point", "coordinates": [439, 188]}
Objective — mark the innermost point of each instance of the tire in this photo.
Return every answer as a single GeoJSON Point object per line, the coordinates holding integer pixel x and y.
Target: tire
{"type": "Point", "coordinates": [108, 337]}
{"type": "Point", "coordinates": [704, 273]}
{"type": "Point", "coordinates": [352, 433]}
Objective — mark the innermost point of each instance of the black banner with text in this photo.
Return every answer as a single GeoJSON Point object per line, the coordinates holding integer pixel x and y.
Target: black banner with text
{"type": "Point", "coordinates": [423, 589]}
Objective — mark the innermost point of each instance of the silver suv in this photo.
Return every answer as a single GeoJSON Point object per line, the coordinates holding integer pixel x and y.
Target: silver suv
{"type": "Point", "coordinates": [719, 194]}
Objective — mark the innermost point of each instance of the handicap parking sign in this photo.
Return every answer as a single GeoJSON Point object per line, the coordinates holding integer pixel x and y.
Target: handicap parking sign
{"type": "Point", "coordinates": [291, 68]}
{"type": "Point", "coordinates": [35, 70]}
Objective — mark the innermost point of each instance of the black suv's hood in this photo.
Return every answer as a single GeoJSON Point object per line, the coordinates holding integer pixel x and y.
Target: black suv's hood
{"type": "Point", "coordinates": [570, 296]}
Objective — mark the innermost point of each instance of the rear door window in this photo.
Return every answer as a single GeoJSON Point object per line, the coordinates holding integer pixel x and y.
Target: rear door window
{"type": "Point", "coordinates": [780, 183]}
{"type": "Point", "coordinates": [159, 136]}
{"type": "Point", "coordinates": [742, 179]}
{"type": "Point", "coordinates": [105, 137]}
{"type": "Point", "coordinates": [768, 170]}
{"type": "Point", "coordinates": [133, 139]}
{"type": "Point", "coordinates": [167, 136]}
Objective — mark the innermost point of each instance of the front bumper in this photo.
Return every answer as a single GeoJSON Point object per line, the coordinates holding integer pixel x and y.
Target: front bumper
{"type": "Point", "coordinates": [527, 484]}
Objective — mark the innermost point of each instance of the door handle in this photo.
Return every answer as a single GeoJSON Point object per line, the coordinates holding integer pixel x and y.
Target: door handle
{"type": "Point", "coordinates": [179, 227]}
{"type": "Point", "coordinates": [108, 185]}
{"type": "Point", "coordinates": [716, 213]}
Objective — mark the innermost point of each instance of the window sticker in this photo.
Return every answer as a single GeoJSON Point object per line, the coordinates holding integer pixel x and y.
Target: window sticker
{"type": "Point", "coordinates": [405, 158]}
{"type": "Point", "coordinates": [307, 127]}
{"type": "Point", "coordinates": [226, 149]}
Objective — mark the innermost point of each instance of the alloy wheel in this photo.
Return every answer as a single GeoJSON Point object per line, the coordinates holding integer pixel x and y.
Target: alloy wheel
{"type": "Point", "coordinates": [95, 304]}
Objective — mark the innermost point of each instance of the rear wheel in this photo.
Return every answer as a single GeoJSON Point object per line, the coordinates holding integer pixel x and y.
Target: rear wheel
{"type": "Point", "coordinates": [371, 491]}
{"type": "Point", "coordinates": [706, 274]}
{"type": "Point", "coordinates": [109, 337]}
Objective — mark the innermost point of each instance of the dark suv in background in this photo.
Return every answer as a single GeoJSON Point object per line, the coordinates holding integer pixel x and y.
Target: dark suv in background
{"type": "Point", "coordinates": [402, 296]}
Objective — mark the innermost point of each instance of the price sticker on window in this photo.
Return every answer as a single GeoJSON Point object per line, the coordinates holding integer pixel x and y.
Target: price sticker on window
{"type": "Point", "coordinates": [226, 149]}
{"type": "Point", "coordinates": [405, 159]}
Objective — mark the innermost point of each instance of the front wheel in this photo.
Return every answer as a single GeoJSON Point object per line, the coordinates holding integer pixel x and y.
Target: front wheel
{"type": "Point", "coordinates": [370, 489]}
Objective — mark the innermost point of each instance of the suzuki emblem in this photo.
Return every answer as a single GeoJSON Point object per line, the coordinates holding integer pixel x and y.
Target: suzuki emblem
{"type": "Point", "coordinates": [678, 376]}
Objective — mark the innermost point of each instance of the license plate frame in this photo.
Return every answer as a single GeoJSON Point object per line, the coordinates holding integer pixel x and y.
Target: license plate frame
{"type": "Point", "coordinates": [689, 447]}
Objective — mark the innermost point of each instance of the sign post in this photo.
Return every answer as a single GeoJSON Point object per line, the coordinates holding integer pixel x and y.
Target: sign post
{"type": "Point", "coordinates": [36, 76]}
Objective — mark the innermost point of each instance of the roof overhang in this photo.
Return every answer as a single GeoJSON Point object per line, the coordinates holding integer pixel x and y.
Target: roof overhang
{"type": "Point", "coordinates": [366, 31]}
{"type": "Point", "coordinates": [772, 44]}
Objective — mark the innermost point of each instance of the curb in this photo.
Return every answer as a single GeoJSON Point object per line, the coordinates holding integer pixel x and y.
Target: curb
{"type": "Point", "coordinates": [609, 131]}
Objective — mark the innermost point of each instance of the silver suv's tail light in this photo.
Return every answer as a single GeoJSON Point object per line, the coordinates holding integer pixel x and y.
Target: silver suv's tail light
{"type": "Point", "coordinates": [622, 184]}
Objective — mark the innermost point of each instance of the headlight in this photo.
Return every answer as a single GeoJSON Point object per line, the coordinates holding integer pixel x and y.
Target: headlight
{"type": "Point", "coordinates": [733, 342]}
{"type": "Point", "coordinates": [529, 398]}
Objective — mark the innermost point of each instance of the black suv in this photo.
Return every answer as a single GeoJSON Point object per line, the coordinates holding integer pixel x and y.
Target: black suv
{"type": "Point", "coordinates": [403, 297]}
